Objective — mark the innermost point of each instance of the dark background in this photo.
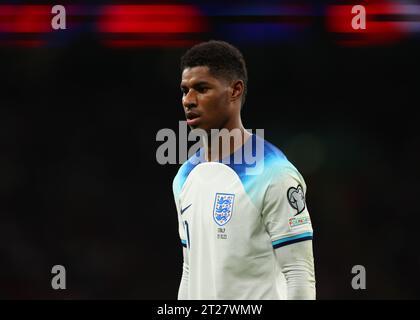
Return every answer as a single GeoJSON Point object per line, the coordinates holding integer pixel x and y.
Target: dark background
{"type": "Point", "coordinates": [80, 185]}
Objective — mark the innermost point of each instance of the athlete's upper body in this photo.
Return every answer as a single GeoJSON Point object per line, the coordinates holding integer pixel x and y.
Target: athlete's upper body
{"type": "Point", "coordinates": [244, 225]}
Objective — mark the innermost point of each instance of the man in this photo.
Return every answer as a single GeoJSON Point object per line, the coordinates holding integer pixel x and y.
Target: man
{"type": "Point", "coordinates": [245, 236]}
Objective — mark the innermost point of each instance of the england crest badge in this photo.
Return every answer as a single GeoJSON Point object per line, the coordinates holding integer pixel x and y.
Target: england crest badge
{"type": "Point", "coordinates": [223, 208]}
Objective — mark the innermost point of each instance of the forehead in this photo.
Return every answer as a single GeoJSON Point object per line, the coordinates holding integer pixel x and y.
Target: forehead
{"type": "Point", "coordinates": [193, 75]}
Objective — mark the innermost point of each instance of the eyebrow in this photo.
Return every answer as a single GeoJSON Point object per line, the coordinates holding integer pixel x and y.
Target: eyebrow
{"type": "Point", "coordinates": [201, 83]}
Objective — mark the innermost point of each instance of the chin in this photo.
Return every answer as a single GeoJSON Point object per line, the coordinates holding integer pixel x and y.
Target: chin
{"type": "Point", "coordinates": [198, 126]}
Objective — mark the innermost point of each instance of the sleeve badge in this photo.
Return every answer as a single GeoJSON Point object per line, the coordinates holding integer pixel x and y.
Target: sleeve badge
{"type": "Point", "coordinates": [296, 198]}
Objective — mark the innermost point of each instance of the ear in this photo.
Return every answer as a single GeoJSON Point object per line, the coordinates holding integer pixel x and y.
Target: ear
{"type": "Point", "coordinates": [237, 89]}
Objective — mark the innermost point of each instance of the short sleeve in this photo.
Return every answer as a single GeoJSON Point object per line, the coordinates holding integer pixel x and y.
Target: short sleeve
{"type": "Point", "coordinates": [181, 227]}
{"type": "Point", "coordinates": [285, 213]}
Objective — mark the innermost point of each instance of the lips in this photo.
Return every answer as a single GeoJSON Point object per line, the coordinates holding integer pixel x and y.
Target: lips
{"type": "Point", "coordinates": [192, 118]}
{"type": "Point", "coordinates": [191, 115]}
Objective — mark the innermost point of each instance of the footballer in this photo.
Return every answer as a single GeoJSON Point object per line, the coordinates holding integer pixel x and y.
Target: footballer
{"type": "Point", "coordinates": [244, 236]}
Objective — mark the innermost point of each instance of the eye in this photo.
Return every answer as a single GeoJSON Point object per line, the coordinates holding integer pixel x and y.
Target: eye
{"type": "Point", "coordinates": [184, 91]}
{"type": "Point", "coordinates": [202, 89]}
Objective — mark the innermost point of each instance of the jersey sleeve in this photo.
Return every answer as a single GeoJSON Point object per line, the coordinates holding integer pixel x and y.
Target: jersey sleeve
{"type": "Point", "coordinates": [181, 229]}
{"type": "Point", "coordinates": [285, 213]}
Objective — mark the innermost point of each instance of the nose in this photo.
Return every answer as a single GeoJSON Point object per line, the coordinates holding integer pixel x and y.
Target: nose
{"type": "Point", "coordinates": [189, 100]}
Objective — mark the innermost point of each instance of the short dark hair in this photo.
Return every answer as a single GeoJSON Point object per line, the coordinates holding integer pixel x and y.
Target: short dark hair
{"type": "Point", "coordinates": [223, 60]}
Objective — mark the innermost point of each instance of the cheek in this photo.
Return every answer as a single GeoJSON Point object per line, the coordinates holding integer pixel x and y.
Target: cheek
{"type": "Point", "coordinates": [214, 109]}
{"type": "Point", "coordinates": [217, 102]}
{"type": "Point", "coordinates": [214, 105]}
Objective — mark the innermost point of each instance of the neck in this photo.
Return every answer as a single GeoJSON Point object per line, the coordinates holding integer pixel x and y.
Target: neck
{"type": "Point", "coordinates": [223, 142]}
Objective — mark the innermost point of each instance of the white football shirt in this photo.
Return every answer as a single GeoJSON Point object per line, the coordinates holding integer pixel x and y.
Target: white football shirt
{"type": "Point", "coordinates": [231, 220]}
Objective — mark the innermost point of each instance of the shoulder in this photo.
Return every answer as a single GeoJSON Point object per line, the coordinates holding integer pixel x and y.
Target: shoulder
{"type": "Point", "coordinates": [184, 171]}
{"type": "Point", "coordinates": [278, 167]}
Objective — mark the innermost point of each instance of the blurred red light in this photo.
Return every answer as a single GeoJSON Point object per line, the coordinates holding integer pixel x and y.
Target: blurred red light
{"type": "Point", "coordinates": [150, 19]}
{"type": "Point", "coordinates": [380, 28]}
{"type": "Point", "coordinates": [25, 18]}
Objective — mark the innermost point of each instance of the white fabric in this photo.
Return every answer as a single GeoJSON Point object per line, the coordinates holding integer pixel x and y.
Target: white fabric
{"type": "Point", "coordinates": [237, 260]}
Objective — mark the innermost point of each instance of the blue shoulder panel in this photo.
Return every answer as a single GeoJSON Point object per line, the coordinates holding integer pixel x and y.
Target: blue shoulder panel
{"type": "Point", "coordinates": [265, 156]}
{"type": "Point", "coordinates": [270, 161]}
{"type": "Point", "coordinates": [185, 170]}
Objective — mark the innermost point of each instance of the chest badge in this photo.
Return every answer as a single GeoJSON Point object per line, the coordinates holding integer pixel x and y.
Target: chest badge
{"type": "Point", "coordinates": [223, 208]}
